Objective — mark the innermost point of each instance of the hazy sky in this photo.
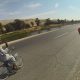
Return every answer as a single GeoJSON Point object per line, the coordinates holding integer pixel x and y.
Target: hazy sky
{"type": "Point", "coordinates": [69, 9]}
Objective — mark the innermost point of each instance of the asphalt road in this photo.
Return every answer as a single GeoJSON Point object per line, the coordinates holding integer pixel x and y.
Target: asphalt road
{"type": "Point", "coordinates": [51, 56]}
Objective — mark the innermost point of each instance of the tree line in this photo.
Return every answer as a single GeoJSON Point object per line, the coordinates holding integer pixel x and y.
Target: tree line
{"type": "Point", "coordinates": [20, 24]}
{"type": "Point", "coordinates": [13, 26]}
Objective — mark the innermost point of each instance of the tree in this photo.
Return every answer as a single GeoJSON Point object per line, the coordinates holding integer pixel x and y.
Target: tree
{"type": "Point", "coordinates": [59, 21]}
{"type": "Point", "coordinates": [18, 24]}
{"type": "Point", "coordinates": [1, 28]}
{"type": "Point", "coordinates": [32, 24]}
{"type": "Point", "coordinates": [27, 26]}
{"type": "Point", "coordinates": [48, 22]}
{"type": "Point", "coordinates": [9, 27]}
{"type": "Point", "coordinates": [72, 21]}
{"type": "Point", "coordinates": [37, 22]}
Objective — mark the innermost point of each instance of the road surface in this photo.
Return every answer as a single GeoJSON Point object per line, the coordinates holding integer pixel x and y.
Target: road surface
{"type": "Point", "coordinates": [51, 56]}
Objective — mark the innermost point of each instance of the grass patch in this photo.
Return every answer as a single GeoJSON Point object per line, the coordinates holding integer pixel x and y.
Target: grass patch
{"type": "Point", "coordinates": [15, 35]}
{"type": "Point", "coordinates": [24, 33]}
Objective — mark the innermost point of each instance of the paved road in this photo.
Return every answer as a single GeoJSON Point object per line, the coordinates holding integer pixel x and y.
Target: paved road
{"type": "Point", "coordinates": [51, 56]}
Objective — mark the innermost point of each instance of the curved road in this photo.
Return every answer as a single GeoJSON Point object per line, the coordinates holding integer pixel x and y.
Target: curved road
{"type": "Point", "coordinates": [51, 56]}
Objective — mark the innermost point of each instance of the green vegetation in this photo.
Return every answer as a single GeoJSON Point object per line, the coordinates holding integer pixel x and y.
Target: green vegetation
{"type": "Point", "coordinates": [19, 29]}
{"type": "Point", "coordinates": [15, 35]}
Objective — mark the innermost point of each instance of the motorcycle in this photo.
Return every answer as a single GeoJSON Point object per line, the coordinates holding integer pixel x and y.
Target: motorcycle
{"type": "Point", "coordinates": [4, 72]}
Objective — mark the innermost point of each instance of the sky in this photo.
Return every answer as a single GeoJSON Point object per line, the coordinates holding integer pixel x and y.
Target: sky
{"type": "Point", "coordinates": [54, 9]}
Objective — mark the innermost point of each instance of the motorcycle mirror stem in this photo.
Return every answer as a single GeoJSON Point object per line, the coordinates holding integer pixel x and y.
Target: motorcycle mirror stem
{"type": "Point", "coordinates": [6, 44]}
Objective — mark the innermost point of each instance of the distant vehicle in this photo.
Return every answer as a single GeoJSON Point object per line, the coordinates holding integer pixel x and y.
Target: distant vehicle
{"type": "Point", "coordinates": [79, 30]}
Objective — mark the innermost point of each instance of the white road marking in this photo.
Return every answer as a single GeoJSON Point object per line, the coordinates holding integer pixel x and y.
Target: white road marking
{"type": "Point", "coordinates": [61, 35]}
{"type": "Point", "coordinates": [15, 41]}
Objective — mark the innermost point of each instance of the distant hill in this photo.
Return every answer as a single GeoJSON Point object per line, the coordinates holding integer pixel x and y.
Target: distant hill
{"type": "Point", "coordinates": [27, 21]}
{"type": "Point", "coordinates": [5, 21]}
